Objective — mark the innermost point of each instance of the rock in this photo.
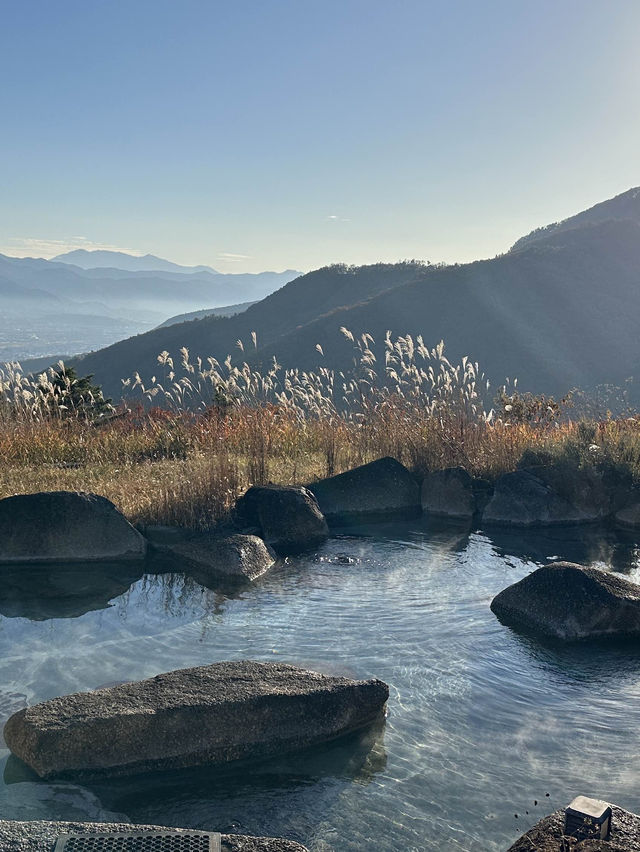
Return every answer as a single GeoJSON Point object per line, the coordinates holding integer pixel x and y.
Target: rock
{"type": "Point", "coordinates": [41, 835]}
{"type": "Point", "coordinates": [568, 601]}
{"type": "Point", "coordinates": [65, 526]}
{"type": "Point", "coordinates": [287, 517]}
{"type": "Point", "coordinates": [449, 493]}
{"type": "Point", "coordinates": [383, 487]}
{"type": "Point", "coordinates": [546, 835]}
{"type": "Point", "coordinates": [523, 499]}
{"type": "Point", "coordinates": [208, 558]}
{"type": "Point", "coordinates": [629, 516]}
{"type": "Point", "coordinates": [191, 717]}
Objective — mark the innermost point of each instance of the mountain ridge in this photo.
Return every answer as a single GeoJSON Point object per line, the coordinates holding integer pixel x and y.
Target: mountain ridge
{"type": "Point", "coordinates": [625, 205]}
{"type": "Point", "coordinates": [558, 312]}
{"type": "Point", "coordinates": [101, 258]}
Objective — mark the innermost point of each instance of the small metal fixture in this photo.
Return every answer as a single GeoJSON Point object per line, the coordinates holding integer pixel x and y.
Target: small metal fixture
{"type": "Point", "coordinates": [586, 817]}
{"type": "Point", "coordinates": [140, 841]}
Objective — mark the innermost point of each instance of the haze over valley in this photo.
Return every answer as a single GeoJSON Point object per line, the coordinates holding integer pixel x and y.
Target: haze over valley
{"type": "Point", "coordinates": [87, 300]}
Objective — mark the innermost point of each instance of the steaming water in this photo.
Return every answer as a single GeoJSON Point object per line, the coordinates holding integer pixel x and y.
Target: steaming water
{"type": "Point", "coordinates": [481, 721]}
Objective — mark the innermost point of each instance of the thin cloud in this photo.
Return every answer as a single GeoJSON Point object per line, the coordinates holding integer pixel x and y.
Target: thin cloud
{"type": "Point", "coordinates": [334, 218]}
{"type": "Point", "coordinates": [40, 247]}
{"type": "Point", "coordinates": [230, 257]}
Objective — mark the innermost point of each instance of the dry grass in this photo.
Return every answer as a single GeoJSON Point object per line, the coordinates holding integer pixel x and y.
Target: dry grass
{"type": "Point", "coordinates": [222, 429]}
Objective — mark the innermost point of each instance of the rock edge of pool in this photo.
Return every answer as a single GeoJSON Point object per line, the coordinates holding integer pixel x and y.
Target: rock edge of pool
{"type": "Point", "coordinates": [41, 836]}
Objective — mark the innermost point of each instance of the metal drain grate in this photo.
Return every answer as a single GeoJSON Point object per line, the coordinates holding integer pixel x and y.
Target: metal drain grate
{"type": "Point", "coordinates": [140, 841]}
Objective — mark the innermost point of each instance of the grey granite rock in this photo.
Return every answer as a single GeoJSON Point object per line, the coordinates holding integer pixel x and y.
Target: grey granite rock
{"type": "Point", "coordinates": [567, 601]}
{"type": "Point", "coordinates": [65, 526]}
{"type": "Point", "coordinates": [40, 836]}
{"type": "Point", "coordinates": [209, 558]}
{"type": "Point", "coordinates": [383, 487]}
{"type": "Point", "coordinates": [524, 499]}
{"type": "Point", "coordinates": [547, 836]}
{"type": "Point", "coordinates": [449, 493]}
{"type": "Point", "coordinates": [190, 717]}
{"type": "Point", "coordinates": [287, 517]}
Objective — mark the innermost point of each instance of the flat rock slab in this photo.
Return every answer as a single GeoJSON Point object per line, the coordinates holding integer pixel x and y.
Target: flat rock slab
{"type": "Point", "coordinates": [568, 601]}
{"type": "Point", "coordinates": [41, 836]}
{"type": "Point", "coordinates": [235, 558]}
{"type": "Point", "coordinates": [546, 835]}
{"type": "Point", "coordinates": [383, 487]}
{"type": "Point", "coordinates": [190, 717]}
{"type": "Point", "coordinates": [65, 526]}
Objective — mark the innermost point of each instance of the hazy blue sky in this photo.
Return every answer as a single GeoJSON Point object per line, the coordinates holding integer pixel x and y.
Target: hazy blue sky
{"type": "Point", "coordinates": [255, 134]}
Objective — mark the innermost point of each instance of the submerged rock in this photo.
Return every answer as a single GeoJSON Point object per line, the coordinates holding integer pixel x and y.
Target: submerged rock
{"type": "Point", "coordinates": [547, 835]}
{"type": "Point", "coordinates": [65, 526]}
{"type": "Point", "coordinates": [449, 493]}
{"type": "Point", "coordinates": [191, 717]}
{"type": "Point", "coordinates": [208, 558]}
{"type": "Point", "coordinates": [287, 517]}
{"type": "Point", "coordinates": [382, 487]}
{"type": "Point", "coordinates": [524, 499]}
{"type": "Point", "coordinates": [568, 601]}
{"type": "Point", "coordinates": [41, 835]}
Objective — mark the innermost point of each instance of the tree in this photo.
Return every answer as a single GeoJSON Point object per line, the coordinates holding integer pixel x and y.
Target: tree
{"type": "Point", "coordinates": [66, 393]}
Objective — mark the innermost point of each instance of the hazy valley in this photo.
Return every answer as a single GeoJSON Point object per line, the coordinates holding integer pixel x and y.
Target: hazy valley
{"type": "Point", "coordinates": [59, 308]}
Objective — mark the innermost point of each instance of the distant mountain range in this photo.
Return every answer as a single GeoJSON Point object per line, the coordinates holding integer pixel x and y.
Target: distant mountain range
{"type": "Point", "coordinates": [96, 259]}
{"type": "Point", "coordinates": [47, 306]}
{"type": "Point", "coordinates": [559, 310]}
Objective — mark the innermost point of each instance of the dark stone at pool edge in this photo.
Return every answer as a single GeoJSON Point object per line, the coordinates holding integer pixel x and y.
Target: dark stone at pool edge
{"type": "Point", "coordinates": [287, 517]}
{"type": "Point", "coordinates": [65, 526]}
{"type": "Point", "coordinates": [381, 488]}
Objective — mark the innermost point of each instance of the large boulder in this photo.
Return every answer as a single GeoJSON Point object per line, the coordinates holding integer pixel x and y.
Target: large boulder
{"type": "Point", "coordinates": [568, 601]}
{"type": "Point", "coordinates": [381, 488]}
{"type": "Point", "coordinates": [524, 499]}
{"type": "Point", "coordinates": [547, 835]}
{"type": "Point", "coordinates": [287, 517]}
{"type": "Point", "coordinates": [191, 717]}
{"type": "Point", "coordinates": [41, 836]}
{"type": "Point", "coordinates": [65, 526]}
{"type": "Point", "coordinates": [449, 494]}
{"type": "Point", "coordinates": [209, 558]}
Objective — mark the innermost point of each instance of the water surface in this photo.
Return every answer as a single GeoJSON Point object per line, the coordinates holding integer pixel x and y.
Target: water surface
{"type": "Point", "coordinates": [481, 721]}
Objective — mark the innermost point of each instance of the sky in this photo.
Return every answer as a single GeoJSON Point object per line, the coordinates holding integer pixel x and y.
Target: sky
{"type": "Point", "coordinates": [274, 134]}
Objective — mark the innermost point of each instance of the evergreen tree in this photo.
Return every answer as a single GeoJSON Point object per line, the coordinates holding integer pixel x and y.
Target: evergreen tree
{"type": "Point", "coordinates": [73, 395]}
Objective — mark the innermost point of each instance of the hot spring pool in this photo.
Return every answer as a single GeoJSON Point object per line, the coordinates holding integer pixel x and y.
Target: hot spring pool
{"type": "Point", "coordinates": [481, 721]}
